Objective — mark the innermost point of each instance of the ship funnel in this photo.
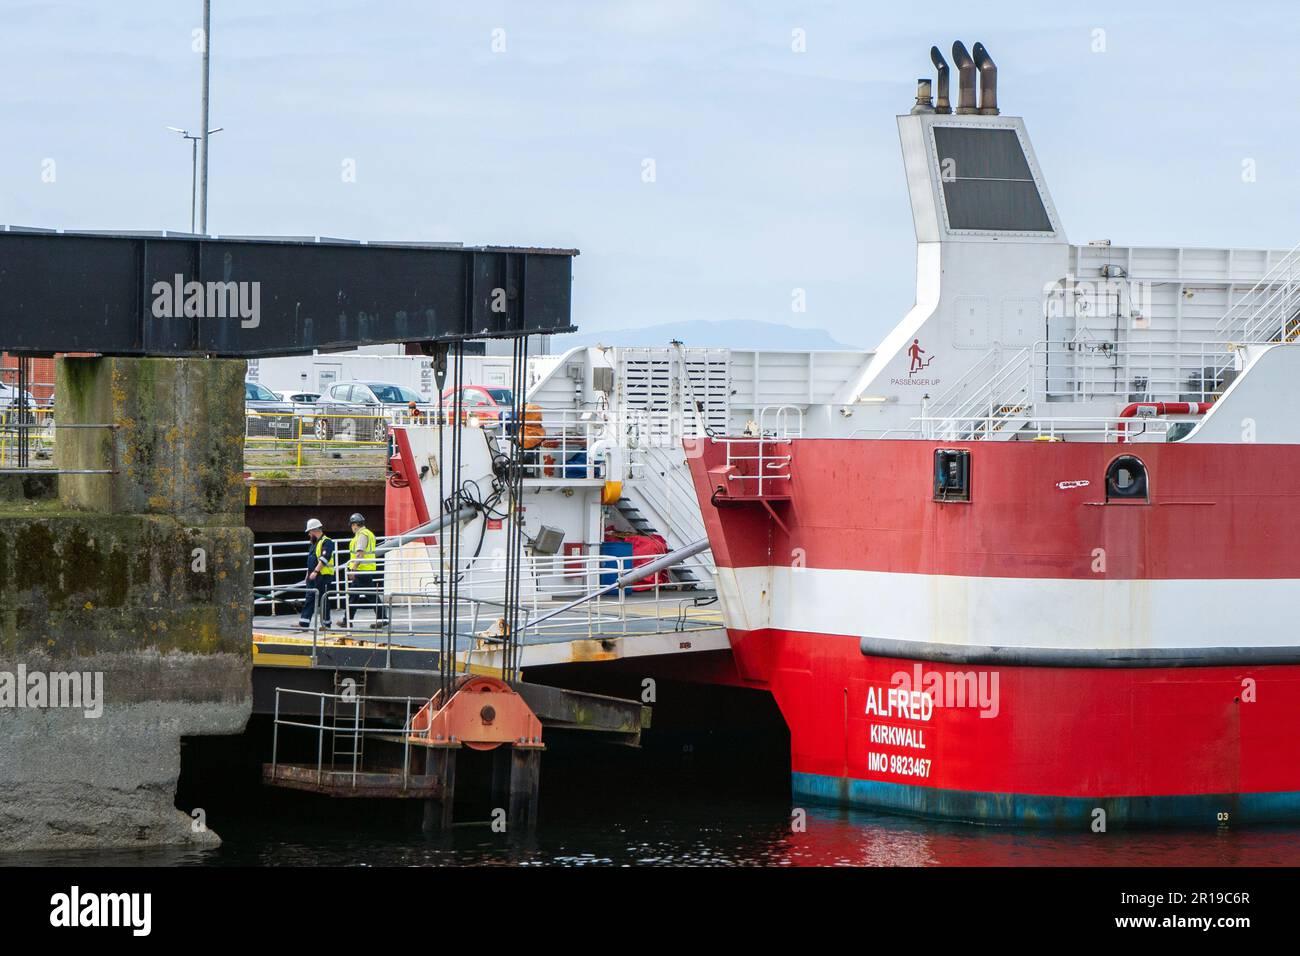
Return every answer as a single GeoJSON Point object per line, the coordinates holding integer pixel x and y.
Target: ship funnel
{"type": "Point", "coordinates": [988, 71]}
{"type": "Point", "coordinates": [965, 78]}
{"type": "Point", "coordinates": [941, 105]}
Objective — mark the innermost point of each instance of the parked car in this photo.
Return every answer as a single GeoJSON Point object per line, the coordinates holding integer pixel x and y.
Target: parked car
{"type": "Point", "coordinates": [361, 411]}
{"type": "Point", "coordinates": [39, 412]}
{"type": "Point", "coordinates": [304, 407]}
{"type": "Point", "coordinates": [9, 395]}
{"type": "Point", "coordinates": [267, 415]}
{"type": "Point", "coordinates": [485, 402]}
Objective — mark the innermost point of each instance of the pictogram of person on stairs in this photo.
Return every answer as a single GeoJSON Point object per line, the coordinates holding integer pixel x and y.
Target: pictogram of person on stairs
{"type": "Point", "coordinates": [915, 352]}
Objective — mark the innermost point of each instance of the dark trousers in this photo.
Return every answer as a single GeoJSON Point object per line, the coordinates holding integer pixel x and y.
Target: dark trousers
{"type": "Point", "coordinates": [317, 593]}
{"type": "Point", "coordinates": [364, 589]}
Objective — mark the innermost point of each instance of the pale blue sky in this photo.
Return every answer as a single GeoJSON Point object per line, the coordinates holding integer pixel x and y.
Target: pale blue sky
{"type": "Point", "coordinates": [775, 169]}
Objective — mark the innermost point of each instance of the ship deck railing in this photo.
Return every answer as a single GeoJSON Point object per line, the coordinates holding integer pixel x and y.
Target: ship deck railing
{"type": "Point", "coordinates": [562, 447]}
{"type": "Point", "coordinates": [1268, 309]}
{"type": "Point", "coordinates": [1004, 384]}
{"type": "Point", "coordinates": [1026, 426]}
{"type": "Point", "coordinates": [415, 592]}
{"type": "Point", "coordinates": [781, 421]}
{"type": "Point", "coordinates": [1142, 370]}
{"type": "Point", "coordinates": [574, 446]}
{"type": "Point", "coordinates": [759, 466]}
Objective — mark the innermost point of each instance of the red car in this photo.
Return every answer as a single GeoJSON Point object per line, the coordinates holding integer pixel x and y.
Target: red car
{"type": "Point", "coordinates": [484, 402]}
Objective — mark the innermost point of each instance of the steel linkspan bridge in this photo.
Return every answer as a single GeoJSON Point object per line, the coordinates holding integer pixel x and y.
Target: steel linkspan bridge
{"type": "Point", "coordinates": [170, 294]}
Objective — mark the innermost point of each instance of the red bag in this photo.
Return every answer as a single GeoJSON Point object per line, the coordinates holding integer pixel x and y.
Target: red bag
{"type": "Point", "coordinates": [645, 548]}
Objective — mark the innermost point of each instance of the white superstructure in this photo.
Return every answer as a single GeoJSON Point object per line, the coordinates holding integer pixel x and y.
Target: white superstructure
{"type": "Point", "coordinates": [607, 452]}
{"type": "Point", "coordinates": [1016, 331]}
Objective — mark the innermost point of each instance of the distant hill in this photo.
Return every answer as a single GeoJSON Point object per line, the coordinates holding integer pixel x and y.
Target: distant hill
{"type": "Point", "coordinates": [733, 333]}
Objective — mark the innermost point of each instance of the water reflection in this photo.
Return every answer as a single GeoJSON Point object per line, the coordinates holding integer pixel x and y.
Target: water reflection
{"type": "Point", "coordinates": [711, 835]}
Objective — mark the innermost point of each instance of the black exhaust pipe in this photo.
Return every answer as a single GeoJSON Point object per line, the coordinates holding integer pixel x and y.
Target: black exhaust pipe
{"type": "Point", "coordinates": [941, 104]}
{"type": "Point", "coordinates": [965, 78]}
{"type": "Point", "coordinates": [988, 81]}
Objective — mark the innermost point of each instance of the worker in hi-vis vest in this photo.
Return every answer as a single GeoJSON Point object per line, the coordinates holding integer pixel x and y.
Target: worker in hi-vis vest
{"type": "Point", "coordinates": [320, 574]}
{"type": "Point", "coordinates": [364, 582]}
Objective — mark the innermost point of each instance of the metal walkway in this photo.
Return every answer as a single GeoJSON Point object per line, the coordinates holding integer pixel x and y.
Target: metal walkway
{"type": "Point", "coordinates": [176, 294]}
{"type": "Point", "coordinates": [639, 625]}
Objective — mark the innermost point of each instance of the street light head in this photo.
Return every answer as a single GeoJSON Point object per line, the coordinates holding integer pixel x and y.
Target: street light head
{"type": "Point", "coordinates": [217, 130]}
{"type": "Point", "coordinates": [177, 129]}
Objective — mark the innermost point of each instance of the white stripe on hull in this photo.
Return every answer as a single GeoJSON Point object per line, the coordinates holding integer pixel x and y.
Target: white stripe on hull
{"type": "Point", "coordinates": [1014, 612]}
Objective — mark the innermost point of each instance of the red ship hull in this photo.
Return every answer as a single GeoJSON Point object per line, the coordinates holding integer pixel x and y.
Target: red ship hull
{"type": "Point", "coordinates": [1036, 654]}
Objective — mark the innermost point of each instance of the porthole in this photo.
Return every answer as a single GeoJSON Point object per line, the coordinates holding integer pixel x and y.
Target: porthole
{"type": "Point", "coordinates": [1126, 479]}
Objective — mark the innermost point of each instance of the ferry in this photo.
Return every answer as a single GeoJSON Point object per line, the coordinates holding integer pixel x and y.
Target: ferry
{"type": "Point", "coordinates": [1036, 563]}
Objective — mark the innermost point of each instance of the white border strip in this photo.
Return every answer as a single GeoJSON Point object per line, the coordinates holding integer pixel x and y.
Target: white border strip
{"type": "Point", "coordinates": [983, 612]}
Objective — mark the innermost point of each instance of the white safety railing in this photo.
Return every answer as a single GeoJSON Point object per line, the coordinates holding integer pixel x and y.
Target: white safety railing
{"type": "Point", "coordinates": [759, 467]}
{"type": "Point", "coordinates": [279, 574]}
{"type": "Point", "coordinates": [1004, 396]}
{"type": "Point", "coordinates": [1079, 371]}
{"type": "Point", "coordinates": [569, 445]}
{"type": "Point", "coordinates": [1059, 428]}
{"type": "Point", "coordinates": [1268, 311]}
{"type": "Point", "coordinates": [780, 421]}
{"type": "Point", "coordinates": [1141, 371]}
{"type": "Point", "coordinates": [912, 431]}
{"type": "Point", "coordinates": [413, 586]}
{"type": "Point", "coordinates": [418, 600]}
{"type": "Point", "coordinates": [965, 388]}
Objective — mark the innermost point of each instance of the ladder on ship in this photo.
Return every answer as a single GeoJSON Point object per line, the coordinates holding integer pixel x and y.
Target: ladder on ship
{"type": "Point", "coordinates": [347, 721]}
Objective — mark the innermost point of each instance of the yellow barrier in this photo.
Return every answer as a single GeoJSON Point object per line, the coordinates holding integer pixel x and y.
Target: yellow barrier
{"type": "Point", "coordinates": [350, 429]}
{"type": "Point", "coordinates": [294, 431]}
{"type": "Point", "coordinates": [40, 433]}
{"type": "Point", "coordinates": [262, 429]}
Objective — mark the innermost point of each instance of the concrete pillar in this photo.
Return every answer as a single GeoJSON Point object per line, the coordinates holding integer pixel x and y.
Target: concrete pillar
{"type": "Point", "coordinates": [178, 448]}
{"type": "Point", "coordinates": [132, 589]}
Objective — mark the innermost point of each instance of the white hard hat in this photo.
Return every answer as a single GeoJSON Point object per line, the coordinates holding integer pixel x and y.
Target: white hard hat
{"type": "Point", "coordinates": [314, 524]}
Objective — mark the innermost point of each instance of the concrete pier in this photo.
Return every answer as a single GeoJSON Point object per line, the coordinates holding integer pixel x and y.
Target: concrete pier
{"type": "Point", "coordinates": [124, 605]}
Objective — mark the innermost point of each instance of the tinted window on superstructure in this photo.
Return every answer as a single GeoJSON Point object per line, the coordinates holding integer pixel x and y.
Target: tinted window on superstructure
{"type": "Point", "coordinates": [987, 184]}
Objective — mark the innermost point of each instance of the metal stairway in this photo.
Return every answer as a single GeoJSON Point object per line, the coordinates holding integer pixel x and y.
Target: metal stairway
{"type": "Point", "coordinates": [1270, 310]}
{"type": "Point", "coordinates": [991, 402]}
{"type": "Point", "coordinates": [997, 422]}
{"type": "Point", "coordinates": [642, 525]}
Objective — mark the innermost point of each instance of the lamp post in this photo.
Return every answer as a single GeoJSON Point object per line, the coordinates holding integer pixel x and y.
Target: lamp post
{"type": "Point", "coordinates": [194, 163]}
{"type": "Point", "coordinates": [203, 128]}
